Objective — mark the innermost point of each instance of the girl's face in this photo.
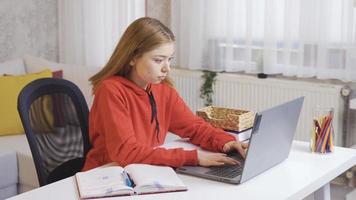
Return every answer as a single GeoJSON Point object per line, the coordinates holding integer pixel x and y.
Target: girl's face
{"type": "Point", "coordinates": [152, 66]}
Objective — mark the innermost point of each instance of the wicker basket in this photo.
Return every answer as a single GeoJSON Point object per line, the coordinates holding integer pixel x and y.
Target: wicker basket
{"type": "Point", "coordinates": [227, 119]}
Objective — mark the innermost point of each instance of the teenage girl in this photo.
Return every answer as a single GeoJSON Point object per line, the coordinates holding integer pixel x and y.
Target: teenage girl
{"type": "Point", "coordinates": [135, 105]}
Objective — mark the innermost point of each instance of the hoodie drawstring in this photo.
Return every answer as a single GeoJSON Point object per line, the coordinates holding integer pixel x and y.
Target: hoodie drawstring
{"type": "Point", "coordinates": [154, 112]}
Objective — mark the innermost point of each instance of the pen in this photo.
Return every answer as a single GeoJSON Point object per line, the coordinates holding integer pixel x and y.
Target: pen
{"type": "Point", "coordinates": [127, 179]}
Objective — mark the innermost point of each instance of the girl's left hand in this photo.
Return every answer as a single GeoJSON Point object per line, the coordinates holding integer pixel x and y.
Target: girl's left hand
{"type": "Point", "coordinates": [237, 146]}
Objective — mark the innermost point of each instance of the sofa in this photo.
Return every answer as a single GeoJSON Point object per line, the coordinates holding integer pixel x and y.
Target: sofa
{"type": "Point", "coordinates": [17, 170]}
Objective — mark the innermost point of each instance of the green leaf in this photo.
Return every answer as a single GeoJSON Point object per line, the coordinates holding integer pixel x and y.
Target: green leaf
{"type": "Point", "coordinates": [206, 89]}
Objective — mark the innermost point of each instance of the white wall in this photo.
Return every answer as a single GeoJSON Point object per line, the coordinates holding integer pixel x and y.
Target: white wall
{"type": "Point", "coordinates": [160, 9]}
{"type": "Point", "coordinates": [28, 27]}
{"type": "Point", "coordinates": [31, 26]}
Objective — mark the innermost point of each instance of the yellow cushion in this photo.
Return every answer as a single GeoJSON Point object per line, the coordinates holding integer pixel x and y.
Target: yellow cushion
{"type": "Point", "coordinates": [10, 88]}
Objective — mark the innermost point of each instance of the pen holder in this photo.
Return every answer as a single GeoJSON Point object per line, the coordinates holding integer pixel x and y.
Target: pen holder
{"type": "Point", "coordinates": [322, 131]}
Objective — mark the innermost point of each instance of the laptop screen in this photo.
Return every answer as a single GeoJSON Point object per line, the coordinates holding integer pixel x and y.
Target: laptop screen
{"type": "Point", "coordinates": [272, 137]}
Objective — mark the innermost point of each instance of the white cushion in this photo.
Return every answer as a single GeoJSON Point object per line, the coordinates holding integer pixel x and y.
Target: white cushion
{"type": "Point", "coordinates": [8, 174]}
{"type": "Point", "coordinates": [28, 179]}
{"type": "Point", "coordinates": [36, 64]}
{"type": "Point", "coordinates": [8, 191]}
{"type": "Point", "coordinates": [21, 188]}
{"type": "Point", "coordinates": [26, 166]}
{"type": "Point", "coordinates": [8, 168]}
{"type": "Point", "coordinates": [13, 67]}
{"type": "Point", "coordinates": [78, 74]}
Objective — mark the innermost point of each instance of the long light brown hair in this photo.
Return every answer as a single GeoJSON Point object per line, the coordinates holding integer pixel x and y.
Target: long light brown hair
{"type": "Point", "coordinates": [143, 35]}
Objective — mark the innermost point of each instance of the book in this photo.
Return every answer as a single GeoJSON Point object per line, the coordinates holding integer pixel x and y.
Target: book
{"type": "Point", "coordinates": [242, 136]}
{"type": "Point", "coordinates": [134, 179]}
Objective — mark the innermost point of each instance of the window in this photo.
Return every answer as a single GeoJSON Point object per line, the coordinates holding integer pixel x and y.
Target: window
{"type": "Point", "coordinates": [301, 37]}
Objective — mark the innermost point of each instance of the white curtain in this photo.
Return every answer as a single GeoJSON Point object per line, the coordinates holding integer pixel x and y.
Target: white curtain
{"type": "Point", "coordinates": [90, 29]}
{"type": "Point", "coordinates": [303, 38]}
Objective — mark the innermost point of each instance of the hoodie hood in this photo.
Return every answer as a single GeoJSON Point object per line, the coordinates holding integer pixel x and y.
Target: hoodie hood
{"type": "Point", "coordinates": [133, 86]}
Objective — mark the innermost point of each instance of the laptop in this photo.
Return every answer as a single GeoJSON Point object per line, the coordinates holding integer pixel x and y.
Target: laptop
{"type": "Point", "coordinates": [270, 143]}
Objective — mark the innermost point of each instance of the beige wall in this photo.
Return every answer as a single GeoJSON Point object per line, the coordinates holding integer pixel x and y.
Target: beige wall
{"type": "Point", "coordinates": [160, 9]}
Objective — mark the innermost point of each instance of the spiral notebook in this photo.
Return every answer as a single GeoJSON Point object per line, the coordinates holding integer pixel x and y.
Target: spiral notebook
{"type": "Point", "coordinates": [134, 179]}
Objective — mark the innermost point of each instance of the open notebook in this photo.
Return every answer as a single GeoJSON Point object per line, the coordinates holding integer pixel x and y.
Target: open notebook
{"type": "Point", "coordinates": [130, 180]}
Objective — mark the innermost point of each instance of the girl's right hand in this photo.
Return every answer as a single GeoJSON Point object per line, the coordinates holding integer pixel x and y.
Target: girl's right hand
{"type": "Point", "coordinates": [215, 159]}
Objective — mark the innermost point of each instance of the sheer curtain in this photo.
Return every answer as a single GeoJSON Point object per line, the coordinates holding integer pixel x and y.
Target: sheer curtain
{"type": "Point", "coordinates": [303, 38]}
{"type": "Point", "coordinates": [90, 29]}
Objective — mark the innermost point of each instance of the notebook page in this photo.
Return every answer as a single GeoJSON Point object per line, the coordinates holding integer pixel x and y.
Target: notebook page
{"type": "Point", "coordinates": [105, 181]}
{"type": "Point", "coordinates": [153, 178]}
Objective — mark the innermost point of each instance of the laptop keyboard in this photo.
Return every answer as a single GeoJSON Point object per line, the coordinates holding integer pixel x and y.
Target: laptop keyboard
{"type": "Point", "coordinates": [228, 171]}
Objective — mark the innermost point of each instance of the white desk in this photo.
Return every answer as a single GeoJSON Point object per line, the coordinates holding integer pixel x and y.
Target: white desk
{"type": "Point", "coordinates": [300, 175]}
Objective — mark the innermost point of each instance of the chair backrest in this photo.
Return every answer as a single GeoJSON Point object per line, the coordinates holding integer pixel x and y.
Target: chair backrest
{"type": "Point", "coordinates": [54, 115]}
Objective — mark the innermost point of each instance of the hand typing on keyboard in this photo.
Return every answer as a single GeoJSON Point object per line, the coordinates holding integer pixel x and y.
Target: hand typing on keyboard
{"type": "Point", "coordinates": [236, 146]}
{"type": "Point", "coordinates": [215, 159]}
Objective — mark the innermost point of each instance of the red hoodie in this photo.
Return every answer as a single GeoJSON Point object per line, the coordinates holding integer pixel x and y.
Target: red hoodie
{"type": "Point", "coordinates": [122, 128]}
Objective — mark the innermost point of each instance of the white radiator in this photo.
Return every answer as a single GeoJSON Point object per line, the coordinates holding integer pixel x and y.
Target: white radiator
{"type": "Point", "coordinates": [251, 93]}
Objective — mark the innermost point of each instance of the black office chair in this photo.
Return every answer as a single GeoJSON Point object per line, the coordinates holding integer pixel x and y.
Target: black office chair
{"type": "Point", "coordinates": [54, 115]}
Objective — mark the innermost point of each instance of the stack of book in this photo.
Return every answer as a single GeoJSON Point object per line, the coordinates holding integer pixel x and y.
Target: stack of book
{"type": "Point", "coordinates": [242, 136]}
{"type": "Point", "coordinates": [234, 120]}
